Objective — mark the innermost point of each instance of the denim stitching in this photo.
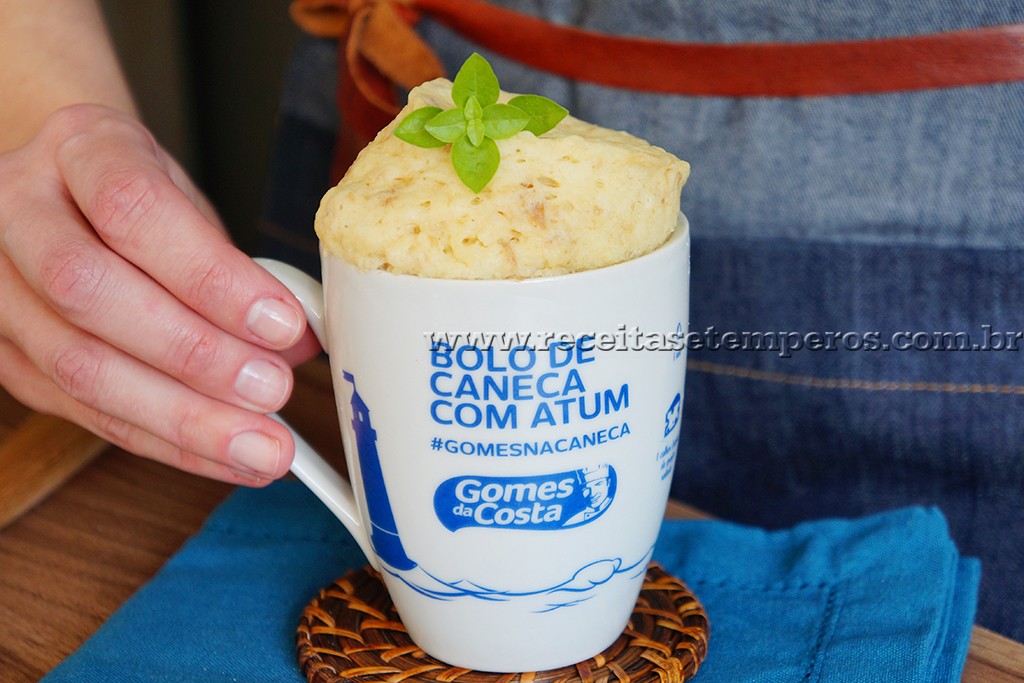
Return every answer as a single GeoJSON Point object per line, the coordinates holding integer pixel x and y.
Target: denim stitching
{"type": "Point", "coordinates": [857, 384]}
{"type": "Point", "coordinates": [268, 536]}
{"type": "Point", "coordinates": [828, 627]}
{"type": "Point", "coordinates": [759, 587]}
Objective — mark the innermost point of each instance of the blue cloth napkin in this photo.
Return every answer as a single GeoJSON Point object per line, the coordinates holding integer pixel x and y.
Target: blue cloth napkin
{"type": "Point", "coordinates": [886, 597]}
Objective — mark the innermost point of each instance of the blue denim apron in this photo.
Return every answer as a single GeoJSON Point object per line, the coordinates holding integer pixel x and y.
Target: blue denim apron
{"type": "Point", "coordinates": [874, 242]}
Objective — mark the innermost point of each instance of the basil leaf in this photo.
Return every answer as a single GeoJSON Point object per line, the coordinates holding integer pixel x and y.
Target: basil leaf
{"type": "Point", "coordinates": [475, 131]}
{"type": "Point", "coordinates": [475, 79]}
{"type": "Point", "coordinates": [503, 121]}
{"type": "Point", "coordinates": [449, 125]}
{"type": "Point", "coordinates": [475, 165]}
{"type": "Point", "coordinates": [474, 120]}
{"type": "Point", "coordinates": [473, 110]}
{"type": "Point", "coordinates": [412, 130]}
{"type": "Point", "coordinates": [544, 113]}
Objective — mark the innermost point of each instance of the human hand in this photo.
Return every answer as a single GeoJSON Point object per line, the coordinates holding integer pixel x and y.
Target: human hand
{"type": "Point", "coordinates": [127, 310]}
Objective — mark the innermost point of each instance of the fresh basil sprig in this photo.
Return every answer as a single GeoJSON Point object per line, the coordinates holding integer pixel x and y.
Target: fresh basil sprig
{"type": "Point", "coordinates": [477, 121]}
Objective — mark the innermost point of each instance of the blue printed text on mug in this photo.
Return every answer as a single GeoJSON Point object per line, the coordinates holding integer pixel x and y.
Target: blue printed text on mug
{"type": "Point", "coordinates": [542, 502]}
{"type": "Point", "coordinates": [480, 387]}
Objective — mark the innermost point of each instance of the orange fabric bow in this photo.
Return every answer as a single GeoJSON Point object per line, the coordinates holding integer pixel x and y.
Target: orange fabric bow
{"type": "Point", "coordinates": [381, 48]}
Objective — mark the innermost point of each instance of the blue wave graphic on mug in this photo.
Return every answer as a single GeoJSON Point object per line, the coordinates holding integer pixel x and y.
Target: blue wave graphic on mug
{"type": "Point", "coordinates": [561, 500]}
{"type": "Point", "coordinates": [583, 580]}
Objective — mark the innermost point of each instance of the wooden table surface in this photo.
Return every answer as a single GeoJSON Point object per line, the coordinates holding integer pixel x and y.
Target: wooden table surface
{"type": "Point", "coordinates": [74, 558]}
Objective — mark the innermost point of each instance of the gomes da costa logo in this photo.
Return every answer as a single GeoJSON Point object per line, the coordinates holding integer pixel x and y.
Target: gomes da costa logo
{"type": "Point", "coordinates": [544, 502]}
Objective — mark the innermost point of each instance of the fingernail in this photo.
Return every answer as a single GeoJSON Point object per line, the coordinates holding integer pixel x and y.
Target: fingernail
{"type": "Point", "coordinates": [262, 383]}
{"type": "Point", "coordinates": [275, 322]}
{"type": "Point", "coordinates": [256, 452]}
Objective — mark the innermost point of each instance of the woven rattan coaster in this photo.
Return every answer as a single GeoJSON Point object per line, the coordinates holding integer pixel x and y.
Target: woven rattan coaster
{"type": "Point", "coordinates": [351, 632]}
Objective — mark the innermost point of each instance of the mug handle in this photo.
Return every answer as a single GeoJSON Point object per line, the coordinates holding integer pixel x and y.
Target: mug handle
{"type": "Point", "coordinates": [311, 469]}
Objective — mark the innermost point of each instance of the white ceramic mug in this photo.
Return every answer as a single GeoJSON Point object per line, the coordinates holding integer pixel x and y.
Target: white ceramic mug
{"type": "Point", "coordinates": [509, 490]}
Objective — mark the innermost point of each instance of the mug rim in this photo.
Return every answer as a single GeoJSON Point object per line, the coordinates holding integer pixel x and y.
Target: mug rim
{"type": "Point", "coordinates": [680, 232]}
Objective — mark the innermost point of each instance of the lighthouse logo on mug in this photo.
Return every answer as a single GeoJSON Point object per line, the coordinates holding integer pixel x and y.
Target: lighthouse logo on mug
{"type": "Point", "coordinates": [542, 502]}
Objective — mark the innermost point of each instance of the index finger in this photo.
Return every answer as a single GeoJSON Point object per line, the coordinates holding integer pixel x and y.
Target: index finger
{"type": "Point", "coordinates": [122, 184]}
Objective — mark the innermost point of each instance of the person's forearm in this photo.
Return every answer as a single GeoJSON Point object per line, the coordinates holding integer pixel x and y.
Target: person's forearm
{"type": "Point", "coordinates": [53, 53]}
